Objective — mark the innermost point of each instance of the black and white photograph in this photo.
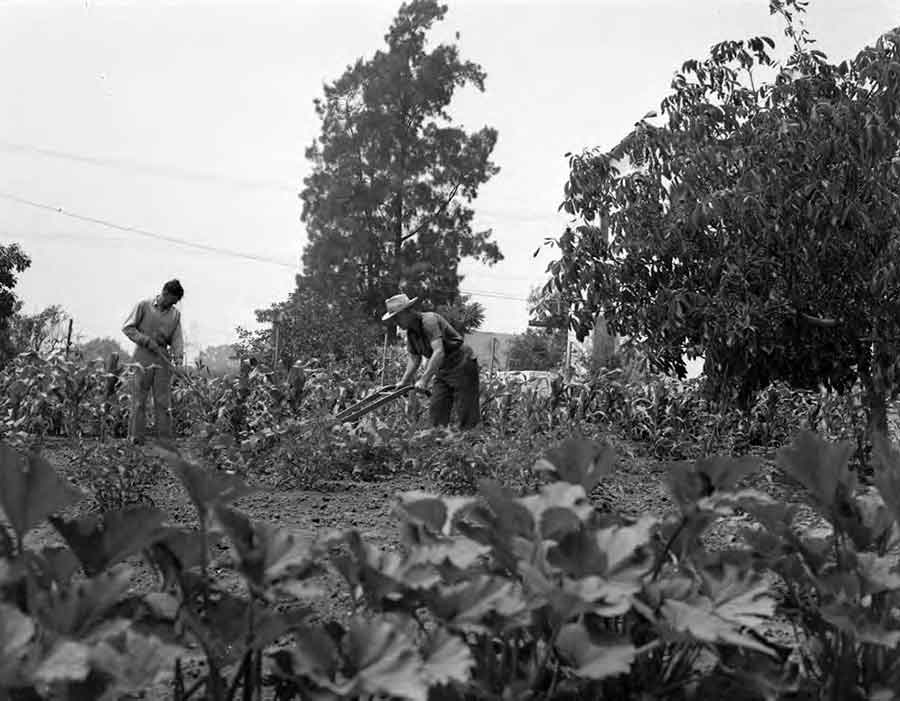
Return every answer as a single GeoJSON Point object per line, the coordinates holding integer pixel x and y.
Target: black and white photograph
{"type": "Point", "coordinates": [450, 350]}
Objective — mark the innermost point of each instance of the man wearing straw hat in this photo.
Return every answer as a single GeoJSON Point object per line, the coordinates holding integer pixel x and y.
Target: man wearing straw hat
{"type": "Point", "coordinates": [154, 325]}
{"type": "Point", "coordinates": [451, 363]}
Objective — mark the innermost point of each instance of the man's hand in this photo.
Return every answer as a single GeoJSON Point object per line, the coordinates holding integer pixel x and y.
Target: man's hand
{"type": "Point", "coordinates": [422, 383]}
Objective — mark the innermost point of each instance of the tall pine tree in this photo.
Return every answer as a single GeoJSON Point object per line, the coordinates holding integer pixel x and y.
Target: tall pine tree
{"type": "Point", "coordinates": [386, 205]}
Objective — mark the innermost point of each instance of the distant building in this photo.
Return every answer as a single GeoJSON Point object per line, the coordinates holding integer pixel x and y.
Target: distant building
{"type": "Point", "coordinates": [484, 343]}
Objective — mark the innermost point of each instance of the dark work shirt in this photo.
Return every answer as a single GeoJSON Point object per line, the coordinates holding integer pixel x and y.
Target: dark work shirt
{"type": "Point", "coordinates": [427, 328]}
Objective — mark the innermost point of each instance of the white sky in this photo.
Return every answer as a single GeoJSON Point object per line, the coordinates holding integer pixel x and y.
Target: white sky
{"type": "Point", "coordinates": [201, 111]}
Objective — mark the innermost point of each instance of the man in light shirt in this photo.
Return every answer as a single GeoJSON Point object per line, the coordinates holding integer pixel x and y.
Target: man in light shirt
{"type": "Point", "coordinates": [154, 325]}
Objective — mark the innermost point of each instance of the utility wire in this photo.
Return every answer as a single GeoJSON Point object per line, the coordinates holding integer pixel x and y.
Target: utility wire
{"type": "Point", "coordinates": [146, 233]}
{"type": "Point", "coordinates": [229, 180]}
{"type": "Point", "coordinates": [204, 247]}
{"type": "Point", "coordinates": [149, 169]}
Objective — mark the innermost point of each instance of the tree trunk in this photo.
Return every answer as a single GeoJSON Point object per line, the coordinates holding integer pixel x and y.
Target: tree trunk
{"type": "Point", "coordinates": [603, 346]}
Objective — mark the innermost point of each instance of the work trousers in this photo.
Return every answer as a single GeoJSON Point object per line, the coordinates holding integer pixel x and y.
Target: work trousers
{"type": "Point", "coordinates": [456, 384]}
{"type": "Point", "coordinates": [155, 379]}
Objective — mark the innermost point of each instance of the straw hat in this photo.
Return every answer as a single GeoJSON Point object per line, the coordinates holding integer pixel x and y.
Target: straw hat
{"type": "Point", "coordinates": [397, 304]}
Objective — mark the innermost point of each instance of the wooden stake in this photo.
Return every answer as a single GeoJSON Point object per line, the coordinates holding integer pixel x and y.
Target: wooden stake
{"type": "Point", "coordinates": [69, 339]}
{"type": "Point", "coordinates": [384, 358]}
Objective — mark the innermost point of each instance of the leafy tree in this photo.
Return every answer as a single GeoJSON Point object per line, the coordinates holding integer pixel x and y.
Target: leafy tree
{"type": "Point", "coordinates": [756, 225]}
{"type": "Point", "coordinates": [537, 350]}
{"type": "Point", "coordinates": [102, 348]}
{"type": "Point", "coordinates": [13, 260]}
{"type": "Point", "coordinates": [40, 333]}
{"type": "Point", "coordinates": [313, 325]}
{"type": "Point", "coordinates": [219, 360]}
{"type": "Point", "coordinates": [385, 206]}
{"type": "Point", "coordinates": [463, 315]}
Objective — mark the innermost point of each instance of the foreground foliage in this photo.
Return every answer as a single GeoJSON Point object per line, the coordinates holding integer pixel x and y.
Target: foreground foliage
{"type": "Point", "coordinates": [494, 595]}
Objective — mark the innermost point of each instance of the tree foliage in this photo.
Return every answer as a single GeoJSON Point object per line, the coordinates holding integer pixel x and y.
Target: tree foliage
{"type": "Point", "coordinates": [464, 315]}
{"type": "Point", "coordinates": [756, 223]}
{"type": "Point", "coordinates": [41, 333]}
{"type": "Point", "coordinates": [385, 207]}
{"type": "Point", "coordinates": [313, 325]}
{"type": "Point", "coordinates": [537, 350]}
{"type": "Point", "coordinates": [13, 261]}
{"type": "Point", "coordinates": [219, 360]}
{"type": "Point", "coordinates": [102, 348]}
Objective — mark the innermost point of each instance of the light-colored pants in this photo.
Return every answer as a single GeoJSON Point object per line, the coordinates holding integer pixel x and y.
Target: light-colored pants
{"type": "Point", "coordinates": [158, 380]}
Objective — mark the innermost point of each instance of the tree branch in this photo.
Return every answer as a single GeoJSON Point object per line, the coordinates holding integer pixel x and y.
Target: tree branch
{"type": "Point", "coordinates": [430, 219]}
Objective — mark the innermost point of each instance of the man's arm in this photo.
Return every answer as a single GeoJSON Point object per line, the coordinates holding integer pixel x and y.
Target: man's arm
{"type": "Point", "coordinates": [434, 363]}
{"type": "Point", "coordinates": [130, 329]}
{"type": "Point", "coordinates": [177, 343]}
{"type": "Point", "coordinates": [412, 365]}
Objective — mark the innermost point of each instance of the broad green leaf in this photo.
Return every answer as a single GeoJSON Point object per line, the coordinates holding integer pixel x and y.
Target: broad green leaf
{"type": "Point", "coordinates": [879, 574]}
{"type": "Point", "coordinates": [314, 655]}
{"type": "Point", "coordinates": [267, 554]}
{"type": "Point", "coordinates": [614, 551]}
{"type": "Point", "coordinates": [384, 661]}
{"type": "Point", "coordinates": [509, 516]}
{"type": "Point", "coordinates": [136, 662]}
{"type": "Point", "coordinates": [691, 482]}
{"type": "Point", "coordinates": [16, 633]}
{"type": "Point", "coordinates": [466, 604]}
{"type": "Point", "coordinates": [558, 508]}
{"type": "Point", "coordinates": [383, 576]}
{"type": "Point", "coordinates": [590, 660]}
{"type": "Point", "coordinates": [434, 512]}
{"type": "Point", "coordinates": [886, 458]}
{"type": "Point", "coordinates": [30, 489]}
{"type": "Point", "coordinates": [75, 610]}
{"type": "Point", "coordinates": [819, 466]}
{"type": "Point", "coordinates": [854, 620]}
{"type": "Point", "coordinates": [447, 659]}
{"type": "Point", "coordinates": [68, 661]}
{"type": "Point", "coordinates": [101, 541]}
{"type": "Point", "coordinates": [207, 487]}
{"type": "Point", "coordinates": [459, 552]}
{"type": "Point", "coordinates": [579, 461]}
{"type": "Point", "coordinates": [731, 602]}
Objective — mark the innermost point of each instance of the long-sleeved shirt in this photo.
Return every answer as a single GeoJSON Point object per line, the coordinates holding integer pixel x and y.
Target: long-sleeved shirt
{"type": "Point", "coordinates": [148, 321]}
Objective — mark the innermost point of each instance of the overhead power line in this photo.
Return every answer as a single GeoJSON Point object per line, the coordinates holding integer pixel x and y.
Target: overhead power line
{"type": "Point", "coordinates": [150, 169]}
{"type": "Point", "coordinates": [201, 246]}
{"type": "Point", "coordinates": [168, 171]}
{"type": "Point", "coordinates": [146, 233]}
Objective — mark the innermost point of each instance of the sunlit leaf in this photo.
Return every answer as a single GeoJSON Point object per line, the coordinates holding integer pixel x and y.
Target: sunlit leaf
{"type": "Point", "coordinates": [67, 661]}
{"type": "Point", "coordinates": [590, 660]}
{"type": "Point", "coordinates": [16, 633]}
{"type": "Point", "coordinates": [466, 604]}
{"type": "Point", "coordinates": [446, 658]}
{"type": "Point", "coordinates": [76, 609]}
{"type": "Point", "coordinates": [732, 602]}
{"type": "Point", "coordinates": [135, 661]}
{"type": "Point", "coordinates": [266, 553]}
{"type": "Point", "coordinates": [384, 661]}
